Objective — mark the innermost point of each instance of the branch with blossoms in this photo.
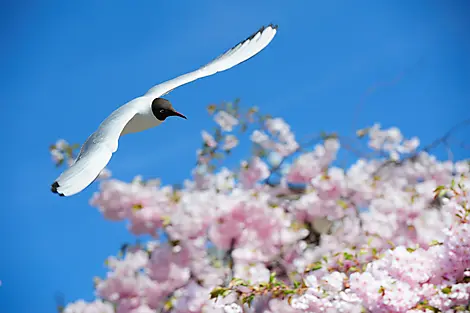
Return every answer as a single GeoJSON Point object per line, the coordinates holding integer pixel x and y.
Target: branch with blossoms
{"type": "Point", "coordinates": [402, 279]}
{"type": "Point", "coordinates": [443, 140]}
{"type": "Point", "coordinates": [289, 223]}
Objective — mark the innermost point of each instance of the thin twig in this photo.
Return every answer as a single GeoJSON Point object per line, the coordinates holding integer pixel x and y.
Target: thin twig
{"type": "Point", "coordinates": [441, 140]}
{"type": "Point", "coordinates": [378, 85]}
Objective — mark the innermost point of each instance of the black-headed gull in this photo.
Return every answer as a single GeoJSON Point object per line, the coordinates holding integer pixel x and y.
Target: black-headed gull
{"type": "Point", "coordinates": [145, 112]}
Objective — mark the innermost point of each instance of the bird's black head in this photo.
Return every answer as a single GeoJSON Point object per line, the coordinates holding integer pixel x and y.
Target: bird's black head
{"type": "Point", "coordinates": [162, 108]}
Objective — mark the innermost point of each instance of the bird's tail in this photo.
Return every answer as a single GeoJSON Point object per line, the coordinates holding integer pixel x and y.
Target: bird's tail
{"type": "Point", "coordinates": [81, 174]}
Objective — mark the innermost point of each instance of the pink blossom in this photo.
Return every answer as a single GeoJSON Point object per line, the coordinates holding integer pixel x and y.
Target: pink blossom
{"type": "Point", "coordinates": [225, 120]}
{"type": "Point", "coordinates": [230, 142]}
{"type": "Point", "coordinates": [57, 155]}
{"type": "Point", "coordinates": [373, 236]}
{"type": "Point", "coordinates": [232, 308]}
{"type": "Point", "coordinates": [208, 139]}
{"type": "Point", "coordinates": [283, 141]}
{"type": "Point", "coordinates": [61, 144]}
{"type": "Point", "coordinates": [81, 306]}
{"type": "Point", "coordinates": [253, 172]}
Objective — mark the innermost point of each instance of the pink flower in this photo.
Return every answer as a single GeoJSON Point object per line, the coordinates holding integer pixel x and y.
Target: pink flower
{"type": "Point", "coordinates": [57, 155]}
{"type": "Point", "coordinates": [371, 236]}
{"type": "Point", "coordinates": [61, 144]}
{"type": "Point", "coordinates": [225, 121]}
{"type": "Point", "coordinates": [233, 308]}
{"type": "Point", "coordinates": [81, 306]}
{"type": "Point", "coordinates": [255, 273]}
{"type": "Point", "coordinates": [208, 139]}
{"type": "Point", "coordinates": [253, 172]}
{"type": "Point", "coordinates": [230, 142]}
{"type": "Point", "coordinates": [261, 138]}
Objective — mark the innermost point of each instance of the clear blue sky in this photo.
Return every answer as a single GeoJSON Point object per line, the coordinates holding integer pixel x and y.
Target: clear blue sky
{"type": "Point", "coordinates": [65, 65]}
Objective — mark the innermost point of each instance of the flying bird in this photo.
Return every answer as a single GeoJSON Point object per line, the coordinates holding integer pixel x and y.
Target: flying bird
{"type": "Point", "coordinates": [145, 112]}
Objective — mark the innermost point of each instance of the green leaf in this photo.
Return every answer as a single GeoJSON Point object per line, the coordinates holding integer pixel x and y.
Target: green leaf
{"type": "Point", "coordinates": [348, 256]}
{"type": "Point", "coordinates": [236, 282]}
{"type": "Point", "coordinates": [315, 267]}
{"type": "Point", "coordinates": [219, 291]}
{"type": "Point", "coordinates": [248, 300]}
{"type": "Point", "coordinates": [442, 193]}
{"type": "Point", "coordinates": [446, 290]}
{"type": "Point", "coordinates": [272, 277]}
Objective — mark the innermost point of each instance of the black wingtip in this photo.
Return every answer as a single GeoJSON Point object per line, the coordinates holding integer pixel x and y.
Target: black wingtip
{"type": "Point", "coordinates": [54, 187]}
{"type": "Point", "coordinates": [273, 26]}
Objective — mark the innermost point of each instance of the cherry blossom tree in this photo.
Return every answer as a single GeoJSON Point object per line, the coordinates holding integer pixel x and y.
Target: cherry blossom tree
{"type": "Point", "coordinates": [291, 228]}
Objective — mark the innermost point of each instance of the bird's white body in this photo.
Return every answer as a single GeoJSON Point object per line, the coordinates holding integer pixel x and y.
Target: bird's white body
{"type": "Point", "coordinates": [137, 115]}
{"type": "Point", "coordinates": [142, 120]}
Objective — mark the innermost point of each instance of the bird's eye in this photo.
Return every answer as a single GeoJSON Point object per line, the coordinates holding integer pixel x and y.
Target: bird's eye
{"type": "Point", "coordinates": [162, 111]}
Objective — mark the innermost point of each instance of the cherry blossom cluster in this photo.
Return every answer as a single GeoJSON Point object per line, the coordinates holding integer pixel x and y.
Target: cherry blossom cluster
{"type": "Point", "coordinates": [62, 151]}
{"type": "Point", "coordinates": [401, 279]}
{"type": "Point", "coordinates": [389, 233]}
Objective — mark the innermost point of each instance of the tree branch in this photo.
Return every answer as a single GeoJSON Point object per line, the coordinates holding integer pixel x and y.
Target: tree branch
{"type": "Point", "coordinates": [441, 140]}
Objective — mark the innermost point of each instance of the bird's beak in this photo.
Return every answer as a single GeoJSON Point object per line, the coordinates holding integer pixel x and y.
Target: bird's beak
{"type": "Point", "coordinates": [179, 114]}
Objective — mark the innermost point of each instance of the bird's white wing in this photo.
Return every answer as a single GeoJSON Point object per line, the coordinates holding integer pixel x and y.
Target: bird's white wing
{"type": "Point", "coordinates": [236, 55]}
{"type": "Point", "coordinates": [95, 153]}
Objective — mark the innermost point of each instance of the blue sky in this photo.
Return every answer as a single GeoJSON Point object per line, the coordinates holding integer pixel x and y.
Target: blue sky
{"type": "Point", "coordinates": [67, 64]}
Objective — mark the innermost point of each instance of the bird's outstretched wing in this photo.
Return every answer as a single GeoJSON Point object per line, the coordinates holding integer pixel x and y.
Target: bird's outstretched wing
{"type": "Point", "coordinates": [236, 55]}
{"type": "Point", "coordinates": [95, 153]}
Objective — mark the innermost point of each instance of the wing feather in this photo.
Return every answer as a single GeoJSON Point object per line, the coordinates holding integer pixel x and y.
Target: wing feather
{"type": "Point", "coordinates": [95, 153]}
{"type": "Point", "coordinates": [240, 53]}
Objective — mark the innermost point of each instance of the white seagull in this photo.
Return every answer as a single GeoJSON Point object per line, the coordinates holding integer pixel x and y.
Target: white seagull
{"type": "Point", "coordinates": [145, 112]}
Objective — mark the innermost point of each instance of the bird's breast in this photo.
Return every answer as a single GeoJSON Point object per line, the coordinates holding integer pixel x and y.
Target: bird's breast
{"type": "Point", "coordinates": [140, 123]}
